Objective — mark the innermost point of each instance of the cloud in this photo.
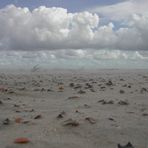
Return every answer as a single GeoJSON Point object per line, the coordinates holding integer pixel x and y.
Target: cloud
{"type": "Point", "coordinates": [88, 58]}
{"type": "Point", "coordinates": [54, 28]}
{"type": "Point", "coordinates": [122, 10]}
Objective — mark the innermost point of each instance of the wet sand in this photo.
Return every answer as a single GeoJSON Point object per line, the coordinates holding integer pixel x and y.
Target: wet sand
{"type": "Point", "coordinates": [69, 109]}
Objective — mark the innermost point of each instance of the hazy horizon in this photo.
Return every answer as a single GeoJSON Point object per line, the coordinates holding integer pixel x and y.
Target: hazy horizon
{"type": "Point", "coordinates": [74, 59]}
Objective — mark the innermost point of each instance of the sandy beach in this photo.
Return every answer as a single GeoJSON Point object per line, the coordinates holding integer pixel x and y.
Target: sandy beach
{"type": "Point", "coordinates": [74, 109]}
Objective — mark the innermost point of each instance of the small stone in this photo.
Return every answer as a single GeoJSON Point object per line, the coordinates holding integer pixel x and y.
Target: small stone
{"type": "Point", "coordinates": [87, 106]}
{"type": "Point", "coordinates": [143, 90]}
{"type": "Point", "coordinates": [109, 83]}
{"type": "Point", "coordinates": [123, 103]}
{"type": "Point", "coordinates": [81, 92]}
{"type": "Point", "coordinates": [91, 120]}
{"type": "Point", "coordinates": [43, 89]}
{"type": "Point", "coordinates": [1, 102]}
{"type": "Point", "coordinates": [145, 114]}
{"type": "Point", "coordinates": [74, 97]}
{"type": "Point", "coordinates": [6, 121]}
{"type": "Point", "coordinates": [128, 145]}
{"type": "Point", "coordinates": [18, 120]}
{"type": "Point", "coordinates": [15, 105]}
{"type": "Point", "coordinates": [71, 84]}
{"type": "Point", "coordinates": [106, 102]}
{"type": "Point", "coordinates": [61, 115]}
{"type": "Point", "coordinates": [111, 119]}
{"type": "Point", "coordinates": [38, 117]}
{"type": "Point", "coordinates": [71, 122]}
{"type": "Point", "coordinates": [122, 91]}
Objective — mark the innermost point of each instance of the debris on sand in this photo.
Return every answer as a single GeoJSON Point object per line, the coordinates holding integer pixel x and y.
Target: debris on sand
{"type": "Point", "coordinates": [74, 97]}
{"type": "Point", "coordinates": [143, 90]}
{"type": "Point", "coordinates": [88, 86]}
{"type": "Point", "coordinates": [81, 92]}
{"type": "Point", "coordinates": [78, 86]}
{"type": "Point", "coordinates": [111, 119]}
{"type": "Point", "coordinates": [49, 90]}
{"type": "Point", "coordinates": [7, 98]}
{"type": "Point", "coordinates": [122, 79]}
{"type": "Point", "coordinates": [71, 122]}
{"type": "Point", "coordinates": [26, 122]}
{"type": "Point", "coordinates": [87, 106]}
{"type": "Point", "coordinates": [21, 88]}
{"type": "Point", "coordinates": [122, 91]}
{"type": "Point", "coordinates": [29, 110]}
{"type": "Point", "coordinates": [90, 120]}
{"type": "Point", "coordinates": [123, 102]}
{"type": "Point", "coordinates": [106, 102]}
{"type": "Point", "coordinates": [102, 88]}
{"type": "Point", "coordinates": [61, 115]}
{"type": "Point", "coordinates": [1, 102]}
{"type": "Point", "coordinates": [43, 89]}
{"type": "Point", "coordinates": [61, 88]}
{"type": "Point", "coordinates": [6, 121]}
{"type": "Point", "coordinates": [145, 114]}
{"type": "Point", "coordinates": [38, 117]}
{"type": "Point", "coordinates": [92, 90]}
{"type": "Point", "coordinates": [71, 85]}
{"type": "Point", "coordinates": [77, 111]}
{"type": "Point", "coordinates": [16, 105]}
{"type": "Point", "coordinates": [109, 83]}
{"type": "Point", "coordinates": [21, 140]}
{"type": "Point", "coordinates": [3, 89]}
{"type": "Point", "coordinates": [18, 120]}
{"type": "Point", "coordinates": [128, 145]}
{"type": "Point", "coordinates": [10, 92]}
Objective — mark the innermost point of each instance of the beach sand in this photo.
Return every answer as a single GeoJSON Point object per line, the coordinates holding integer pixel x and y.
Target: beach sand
{"type": "Point", "coordinates": [74, 109]}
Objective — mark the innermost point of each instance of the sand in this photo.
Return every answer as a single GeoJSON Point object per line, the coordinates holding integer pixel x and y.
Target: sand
{"type": "Point", "coordinates": [74, 109]}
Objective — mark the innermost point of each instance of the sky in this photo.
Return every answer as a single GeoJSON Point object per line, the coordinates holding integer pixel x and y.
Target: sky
{"type": "Point", "coordinates": [71, 5]}
{"type": "Point", "coordinates": [82, 32]}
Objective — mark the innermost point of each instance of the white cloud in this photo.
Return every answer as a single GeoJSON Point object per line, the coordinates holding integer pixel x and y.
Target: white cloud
{"type": "Point", "coordinates": [123, 10]}
{"type": "Point", "coordinates": [89, 58]}
{"type": "Point", "coordinates": [55, 28]}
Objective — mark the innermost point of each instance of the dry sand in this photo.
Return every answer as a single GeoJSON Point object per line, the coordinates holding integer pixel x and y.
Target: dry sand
{"type": "Point", "coordinates": [74, 109]}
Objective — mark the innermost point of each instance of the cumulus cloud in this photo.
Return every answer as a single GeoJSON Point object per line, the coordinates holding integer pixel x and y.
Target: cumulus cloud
{"type": "Point", "coordinates": [55, 28]}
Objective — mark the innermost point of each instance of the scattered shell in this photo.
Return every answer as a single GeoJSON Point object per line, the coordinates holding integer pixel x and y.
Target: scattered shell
{"type": "Point", "coordinates": [122, 91]}
{"type": "Point", "coordinates": [71, 122]}
{"type": "Point", "coordinates": [74, 97]}
{"type": "Point", "coordinates": [91, 120]}
{"type": "Point", "coordinates": [81, 92]}
{"type": "Point", "coordinates": [61, 115]}
{"type": "Point", "coordinates": [128, 145]}
{"type": "Point", "coordinates": [18, 120]}
{"type": "Point", "coordinates": [21, 140]}
{"type": "Point", "coordinates": [38, 117]}
{"type": "Point", "coordinates": [6, 121]}
{"type": "Point", "coordinates": [123, 103]}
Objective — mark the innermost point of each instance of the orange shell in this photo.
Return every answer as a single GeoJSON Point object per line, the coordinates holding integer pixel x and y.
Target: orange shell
{"type": "Point", "coordinates": [18, 120]}
{"type": "Point", "coordinates": [21, 140]}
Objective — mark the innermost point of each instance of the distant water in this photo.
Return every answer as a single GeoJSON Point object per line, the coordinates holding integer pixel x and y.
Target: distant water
{"type": "Point", "coordinates": [75, 59]}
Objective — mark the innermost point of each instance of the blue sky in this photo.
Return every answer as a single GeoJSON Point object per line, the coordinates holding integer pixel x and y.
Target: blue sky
{"type": "Point", "coordinates": [71, 5]}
